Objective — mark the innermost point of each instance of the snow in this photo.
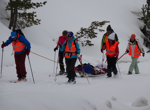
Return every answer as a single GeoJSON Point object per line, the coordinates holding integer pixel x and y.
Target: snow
{"type": "Point", "coordinates": [127, 92]}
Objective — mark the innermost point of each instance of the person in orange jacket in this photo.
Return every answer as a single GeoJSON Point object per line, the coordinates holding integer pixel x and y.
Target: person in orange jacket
{"type": "Point", "coordinates": [112, 52]}
{"type": "Point", "coordinates": [72, 52]}
{"type": "Point", "coordinates": [134, 49]}
{"type": "Point", "coordinates": [21, 47]}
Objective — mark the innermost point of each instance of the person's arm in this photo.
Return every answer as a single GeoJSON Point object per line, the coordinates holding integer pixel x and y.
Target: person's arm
{"type": "Point", "coordinates": [103, 41]}
{"type": "Point", "coordinates": [116, 38]}
{"type": "Point", "coordinates": [78, 49]}
{"type": "Point", "coordinates": [58, 42]}
{"type": "Point", "coordinates": [117, 51]}
{"type": "Point", "coordinates": [63, 47]}
{"type": "Point", "coordinates": [140, 47]}
{"type": "Point", "coordinates": [25, 41]}
{"type": "Point", "coordinates": [8, 41]}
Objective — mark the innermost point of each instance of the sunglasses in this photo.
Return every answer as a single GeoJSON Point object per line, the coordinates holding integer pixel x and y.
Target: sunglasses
{"type": "Point", "coordinates": [69, 36]}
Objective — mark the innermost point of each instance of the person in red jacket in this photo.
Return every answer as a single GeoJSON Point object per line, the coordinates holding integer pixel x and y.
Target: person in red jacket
{"type": "Point", "coordinates": [112, 52]}
{"type": "Point", "coordinates": [60, 42]}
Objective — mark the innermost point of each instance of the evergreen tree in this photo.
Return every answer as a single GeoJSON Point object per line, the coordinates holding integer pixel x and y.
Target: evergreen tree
{"type": "Point", "coordinates": [19, 17]}
{"type": "Point", "coordinates": [85, 34]}
{"type": "Point", "coordinates": [146, 20]}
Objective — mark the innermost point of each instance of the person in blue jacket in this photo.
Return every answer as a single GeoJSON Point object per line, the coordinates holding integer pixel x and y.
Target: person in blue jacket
{"type": "Point", "coordinates": [72, 52]}
{"type": "Point", "coordinates": [21, 47]}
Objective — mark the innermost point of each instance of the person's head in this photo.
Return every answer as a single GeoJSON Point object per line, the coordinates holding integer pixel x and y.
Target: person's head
{"type": "Point", "coordinates": [132, 37]}
{"type": "Point", "coordinates": [70, 35]}
{"type": "Point", "coordinates": [109, 29]}
{"type": "Point", "coordinates": [64, 33]}
{"type": "Point", "coordinates": [14, 35]}
{"type": "Point", "coordinates": [111, 38]}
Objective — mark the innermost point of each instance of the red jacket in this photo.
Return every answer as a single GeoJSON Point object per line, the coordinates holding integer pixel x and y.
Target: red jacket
{"type": "Point", "coordinates": [61, 40]}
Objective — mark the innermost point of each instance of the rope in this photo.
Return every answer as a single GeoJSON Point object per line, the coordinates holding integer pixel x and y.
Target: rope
{"type": "Point", "coordinates": [47, 58]}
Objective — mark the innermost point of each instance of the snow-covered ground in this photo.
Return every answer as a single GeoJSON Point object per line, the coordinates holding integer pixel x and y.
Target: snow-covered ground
{"type": "Point", "coordinates": [127, 92]}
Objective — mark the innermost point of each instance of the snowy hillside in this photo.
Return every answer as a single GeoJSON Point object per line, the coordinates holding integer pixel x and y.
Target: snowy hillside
{"type": "Point", "coordinates": [127, 92]}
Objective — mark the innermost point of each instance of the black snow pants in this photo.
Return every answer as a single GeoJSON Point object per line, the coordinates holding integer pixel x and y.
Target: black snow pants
{"type": "Point", "coordinates": [111, 66]}
{"type": "Point", "coordinates": [70, 67]}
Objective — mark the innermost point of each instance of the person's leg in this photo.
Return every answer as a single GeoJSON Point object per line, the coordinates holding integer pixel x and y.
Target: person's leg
{"type": "Point", "coordinates": [114, 69]}
{"type": "Point", "coordinates": [22, 65]}
{"type": "Point", "coordinates": [109, 66]}
{"type": "Point", "coordinates": [67, 61]}
{"type": "Point", "coordinates": [61, 65]}
{"type": "Point", "coordinates": [71, 69]}
{"type": "Point", "coordinates": [136, 66]}
{"type": "Point", "coordinates": [17, 57]}
{"type": "Point", "coordinates": [132, 65]}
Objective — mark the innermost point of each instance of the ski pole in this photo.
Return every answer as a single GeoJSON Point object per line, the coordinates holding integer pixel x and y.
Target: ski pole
{"type": "Point", "coordinates": [83, 69]}
{"type": "Point", "coordinates": [121, 56]}
{"type": "Point", "coordinates": [102, 61]}
{"type": "Point", "coordinates": [119, 70]}
{"type": "Point", "coordinates": [54, 62]}
{"type": "Point", "coordinates": [2, 60]}
{"type": "Point", "coordinates": [31, 70]}
{"type": "Point", "coordinates": [56, 68]}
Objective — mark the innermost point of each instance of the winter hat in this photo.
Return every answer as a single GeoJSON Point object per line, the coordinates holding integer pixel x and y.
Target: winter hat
{"type": "Point", "coordinates": [112, 36]}
{"type": "Point", "coordinates": [109, 28]}
{"type": "Point", "coordinates": [13, 35]}
{"type": "Point", "coordinates": [70, 33]}
{"type": "Point", "coordinates": [133, 36]}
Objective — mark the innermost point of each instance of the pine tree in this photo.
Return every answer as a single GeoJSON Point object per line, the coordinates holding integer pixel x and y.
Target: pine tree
{"type": "Point", "coordinates": [19, 17]}
{"type": "Point", "coordinates": [85, 34]}
{"type": "Point", "coordinates": [146, 20]}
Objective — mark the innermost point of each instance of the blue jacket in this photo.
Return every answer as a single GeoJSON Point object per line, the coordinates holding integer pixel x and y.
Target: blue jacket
{"type": "Point", "coordinates": [21, 39]}
{"type": "Point", "coordinates": [70, 42]}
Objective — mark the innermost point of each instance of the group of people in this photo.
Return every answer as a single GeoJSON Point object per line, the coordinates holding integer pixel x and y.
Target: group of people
{"type": "Point", "coordinates": [110, 43]}
{"type": "Point", "coordinates": [69, 48]}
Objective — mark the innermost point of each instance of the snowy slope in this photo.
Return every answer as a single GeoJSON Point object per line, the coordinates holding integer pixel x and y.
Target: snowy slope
{"type": "Point", "coordinates": [102, 93]}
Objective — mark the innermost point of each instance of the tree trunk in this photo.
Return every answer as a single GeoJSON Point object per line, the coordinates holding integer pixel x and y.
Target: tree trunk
{"type": "Point", "coordinates": [11, 16]}
{"type": "Point", "coordinates": [15, 18]}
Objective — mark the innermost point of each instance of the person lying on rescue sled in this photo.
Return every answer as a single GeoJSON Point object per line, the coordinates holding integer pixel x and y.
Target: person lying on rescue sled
{"type": "Point", "coordinates": [112, 52]}
{"type": "Point", "coordinates": [72, 51]}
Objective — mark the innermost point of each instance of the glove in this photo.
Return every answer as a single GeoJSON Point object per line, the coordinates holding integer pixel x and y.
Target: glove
{"type": "Point", "coordinates": [127, 51]}
{"type": "Point", "coordinates": [78, 55]}
{"type": "Point", "coordinates": [3, 45]}
{"type": "Point", "coordinates": [56, 48]}
{"type": "Point", "coordinates": [143, 54]}
{"type": "Point", "coordinates": [102, 50]}
{"type": "Point", "coordinates": [28, 52]}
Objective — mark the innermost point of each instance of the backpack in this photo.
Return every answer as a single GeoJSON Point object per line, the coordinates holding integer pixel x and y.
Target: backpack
{"type": "Point", "coordinates": [19, 31]}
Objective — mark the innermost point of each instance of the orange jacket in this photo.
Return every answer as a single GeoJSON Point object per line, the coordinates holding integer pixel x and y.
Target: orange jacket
{"type": "Point", "coordinates": [70, 51]}
{"type": "Point", "coordinates": [18, 46]}
{"type": "Point", "coordinates": [137, 51]}
{"type": "Point", "coordinates": [111, 50]}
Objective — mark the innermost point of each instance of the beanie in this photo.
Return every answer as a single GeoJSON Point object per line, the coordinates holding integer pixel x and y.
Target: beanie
{"type": "Point", "coordinates": [133, 36]}
{"type": "Point", "coordinates": [13, 34]}
{"type": "Point", "coordinates": [70, 33]}
{"type": "Point", "coordinates": [109, 28]}
{"type": "Point", "coordinates": [112, 36]}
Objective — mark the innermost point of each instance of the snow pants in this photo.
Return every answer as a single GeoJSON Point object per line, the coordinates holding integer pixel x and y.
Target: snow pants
{"type": "Point", "coordinates": [70, 67]}
{"type": "Point", "coordinates": [111, 66]}
{"type": "Point", "coordinates": [134, 65]}
{"type": "Point", "coordinates": [61, 65]}
{"type": "Point", "coordinates": [20, 64]}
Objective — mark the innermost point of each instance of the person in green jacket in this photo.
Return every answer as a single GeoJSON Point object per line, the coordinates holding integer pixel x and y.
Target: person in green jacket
{"type": "Point", "coordinates": [109, 30]}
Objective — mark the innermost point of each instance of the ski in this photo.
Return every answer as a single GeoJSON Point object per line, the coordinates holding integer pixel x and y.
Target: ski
{"type": "Point", "coordinates": [15, 81]}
